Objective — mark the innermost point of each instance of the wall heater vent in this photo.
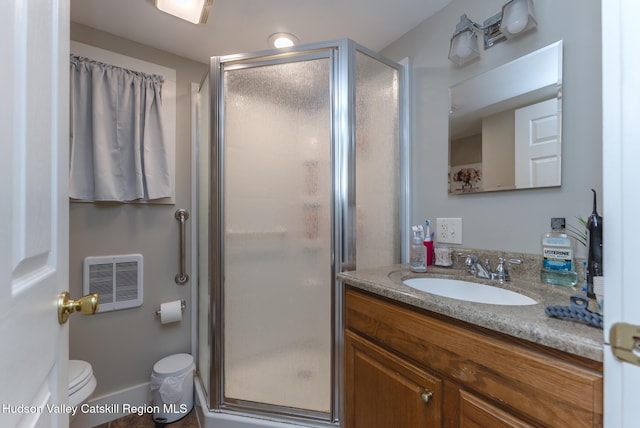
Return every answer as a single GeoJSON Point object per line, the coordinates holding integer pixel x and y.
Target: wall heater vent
{"type": "Point", "coordinates": [116, 279]}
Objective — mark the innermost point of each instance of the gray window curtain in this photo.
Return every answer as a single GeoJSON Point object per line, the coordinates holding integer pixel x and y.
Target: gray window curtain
{"type": "Point", "coordinates": [117, 147]}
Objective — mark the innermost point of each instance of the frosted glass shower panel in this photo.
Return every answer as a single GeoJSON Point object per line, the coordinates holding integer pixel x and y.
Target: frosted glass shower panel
{"type": "Point", "coordinates": [377, 163]}
{"type": "Point", "coordinates": [277, 234]}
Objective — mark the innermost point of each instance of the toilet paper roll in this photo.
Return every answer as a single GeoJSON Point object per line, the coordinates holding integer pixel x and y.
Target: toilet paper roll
{"type": "Point", "coordinates": [170, 312]}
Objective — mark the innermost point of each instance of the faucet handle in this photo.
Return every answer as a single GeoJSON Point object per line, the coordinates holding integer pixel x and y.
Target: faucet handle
{"type": "Point", "coordinates": [470, 262]}
{"type": "Point", "coordinates": [502, 272]}
{"type": "Point", "coordinates": [469, 258]}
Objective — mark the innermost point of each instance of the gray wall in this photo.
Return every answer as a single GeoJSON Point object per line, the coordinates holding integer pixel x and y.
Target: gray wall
{"type": "Point", "coordinates": [122, 346]}
{"type": "Point", "coordinates": [511, 220]}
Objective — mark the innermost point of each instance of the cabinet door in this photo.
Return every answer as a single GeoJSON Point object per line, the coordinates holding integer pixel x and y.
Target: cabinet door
{"type": "Point", "coordinates": [477, 413]}
{"type": "Point", "coordinates": [385, 391]}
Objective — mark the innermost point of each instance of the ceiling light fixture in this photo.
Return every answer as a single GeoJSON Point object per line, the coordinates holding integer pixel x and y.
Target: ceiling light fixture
{"type": "Point", "coordinates": [516, 17]}
{"type": "Point", "coordinates": [282, 40]}
{"type": "Point", "coordinates": [194, 11]}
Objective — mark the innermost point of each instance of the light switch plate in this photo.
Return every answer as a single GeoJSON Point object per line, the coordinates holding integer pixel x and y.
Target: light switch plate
{"type": "Point", "coordinates": [449, 230]}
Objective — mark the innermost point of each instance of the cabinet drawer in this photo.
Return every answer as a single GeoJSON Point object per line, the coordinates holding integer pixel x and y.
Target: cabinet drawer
{"type": "Point", "coordinates": [475, 412]}
{"type": "Point", "coordinates": [540, 385]}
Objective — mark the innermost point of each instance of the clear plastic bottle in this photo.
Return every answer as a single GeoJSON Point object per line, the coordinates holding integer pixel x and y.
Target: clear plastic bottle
{"type": "Point", "coordinates": [418, 252]}
{"type": "Point", "coordinates": [558, 266]}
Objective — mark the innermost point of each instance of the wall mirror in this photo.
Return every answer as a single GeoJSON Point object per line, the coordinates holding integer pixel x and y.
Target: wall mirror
{"type": "Point", "coordinates": [505, 126]}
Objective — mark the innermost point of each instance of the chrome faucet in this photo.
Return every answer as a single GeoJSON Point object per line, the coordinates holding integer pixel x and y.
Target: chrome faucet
{"type": "Point", "coordinates": [476, 268]}
{"type": "Point", "coordinates": [483, 270]}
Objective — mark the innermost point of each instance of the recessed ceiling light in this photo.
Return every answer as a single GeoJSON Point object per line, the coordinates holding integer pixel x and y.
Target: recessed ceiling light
{"type": "Point", "coordinates": [194, 11]}
{"type": "Point", "coordinates": [282, 40]}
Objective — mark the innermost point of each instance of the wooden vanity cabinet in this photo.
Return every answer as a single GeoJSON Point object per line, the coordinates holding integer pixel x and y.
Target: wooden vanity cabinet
{"type": "Point", "coordinates": [406, 367]}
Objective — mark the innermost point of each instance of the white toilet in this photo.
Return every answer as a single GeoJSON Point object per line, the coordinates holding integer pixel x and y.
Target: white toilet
{"type": "Point", "coordinates": [82, 382]}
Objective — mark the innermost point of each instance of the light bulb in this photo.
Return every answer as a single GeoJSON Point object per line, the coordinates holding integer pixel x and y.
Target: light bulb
{"type": "Point", "coordinates": [462, 46]}
{"type": "Point", "coordinates": [518, 17]}
{"type": "Point", "coordinates": [282, 42]}
{"type": "Point", "coordinates": [517, 26]}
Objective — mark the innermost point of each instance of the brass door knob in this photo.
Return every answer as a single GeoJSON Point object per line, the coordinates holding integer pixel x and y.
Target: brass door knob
{"type": "Point", "coordinates": [85, 305]}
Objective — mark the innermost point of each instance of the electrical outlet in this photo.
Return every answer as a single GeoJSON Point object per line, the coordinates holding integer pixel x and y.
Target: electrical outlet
{"type": "Point", "coordinates": [442, 229]}
{"type": "Point", "coordinates": [449, 230]}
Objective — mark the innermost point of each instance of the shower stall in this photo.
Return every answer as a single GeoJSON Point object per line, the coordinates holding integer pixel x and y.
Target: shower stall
{"type": "Point", "coordinates": [299, 155]}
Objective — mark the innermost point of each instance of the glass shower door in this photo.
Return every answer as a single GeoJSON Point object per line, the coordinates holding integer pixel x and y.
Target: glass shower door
{"type": "Point", "coordinates": [304, 175]}
{"type": "Point", "coordinates": [277, 265]}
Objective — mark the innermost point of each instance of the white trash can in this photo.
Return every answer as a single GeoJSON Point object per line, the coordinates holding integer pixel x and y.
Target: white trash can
{"type": "Point", "coordinates": [172, 387]}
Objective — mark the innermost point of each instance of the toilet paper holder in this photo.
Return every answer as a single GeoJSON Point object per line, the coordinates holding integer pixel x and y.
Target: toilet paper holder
{"type": "Point", "coordinates": [183, 305]}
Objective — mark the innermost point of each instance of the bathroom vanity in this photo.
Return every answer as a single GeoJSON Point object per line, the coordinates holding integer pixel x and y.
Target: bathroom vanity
{"type": "Point", "coordinates": [414, 359]}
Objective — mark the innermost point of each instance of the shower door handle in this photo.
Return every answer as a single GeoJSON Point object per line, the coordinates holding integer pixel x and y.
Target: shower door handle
{"type": "Point", "coordinates": [182, 215]}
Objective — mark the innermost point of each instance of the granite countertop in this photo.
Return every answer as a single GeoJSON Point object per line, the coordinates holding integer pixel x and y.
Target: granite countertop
{"type": "Point", "coordinates": [524, 322]}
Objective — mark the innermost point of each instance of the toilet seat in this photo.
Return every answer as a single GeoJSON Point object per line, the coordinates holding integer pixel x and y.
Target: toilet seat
{"type": "Point", "coordinates": [82, 382]}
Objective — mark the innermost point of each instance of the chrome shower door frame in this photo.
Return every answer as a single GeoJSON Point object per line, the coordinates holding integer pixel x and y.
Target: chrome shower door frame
{"type": "Point", "coordinates": [341, 55]}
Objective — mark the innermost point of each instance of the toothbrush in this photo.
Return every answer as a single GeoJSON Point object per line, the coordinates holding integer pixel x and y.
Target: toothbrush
{"type": "Point", "coordinates": [427, 231]}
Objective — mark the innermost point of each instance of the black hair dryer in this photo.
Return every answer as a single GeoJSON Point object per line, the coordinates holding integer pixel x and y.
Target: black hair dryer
{"type": "Point", "coordinates": [594, 238]}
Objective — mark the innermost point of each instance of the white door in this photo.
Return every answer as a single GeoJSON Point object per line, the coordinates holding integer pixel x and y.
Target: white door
{"type": "Point", "coordinates": [34, 106]}
{"type": "Point", "coordinates": [621, 175]}
{"type": "Point", "coordinates": [537, 145]}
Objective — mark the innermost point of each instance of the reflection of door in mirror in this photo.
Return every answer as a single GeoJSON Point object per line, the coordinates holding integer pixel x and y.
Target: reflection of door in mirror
{"type": "Point", "coordinates": [538, 154]}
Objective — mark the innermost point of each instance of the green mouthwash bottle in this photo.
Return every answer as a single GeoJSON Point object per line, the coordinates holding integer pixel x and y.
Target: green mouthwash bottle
{"type": "Point", "coordinates": [557, 256]}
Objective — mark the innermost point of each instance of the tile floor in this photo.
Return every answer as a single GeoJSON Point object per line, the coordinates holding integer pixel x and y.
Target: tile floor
{"type": "Point", "coordinates": [146, 421]}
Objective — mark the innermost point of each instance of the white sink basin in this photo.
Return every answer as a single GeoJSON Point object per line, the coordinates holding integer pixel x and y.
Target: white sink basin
{"type": "Point", "coordinates": [469, 291]}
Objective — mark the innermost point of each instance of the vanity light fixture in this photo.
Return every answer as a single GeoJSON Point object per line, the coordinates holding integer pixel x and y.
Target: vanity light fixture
{"type": "Point", "coordinates": [282, 40]}
{"type": "Point", "coordinates": [194, 11]}
{"type": "Point", "coordinates": [464, 43]}
{"type": "Point", "coordinates": [516, 17]}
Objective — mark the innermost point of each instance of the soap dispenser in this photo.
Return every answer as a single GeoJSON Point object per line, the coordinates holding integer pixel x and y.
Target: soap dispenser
{"type": "Point", "coordinates": [418, 252]}
{"type": "Point", "coordinates": [594, 239]}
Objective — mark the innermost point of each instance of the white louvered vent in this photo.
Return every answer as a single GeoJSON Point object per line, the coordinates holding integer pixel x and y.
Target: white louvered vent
{"type": "Point", "coordinates": [116, 279]}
